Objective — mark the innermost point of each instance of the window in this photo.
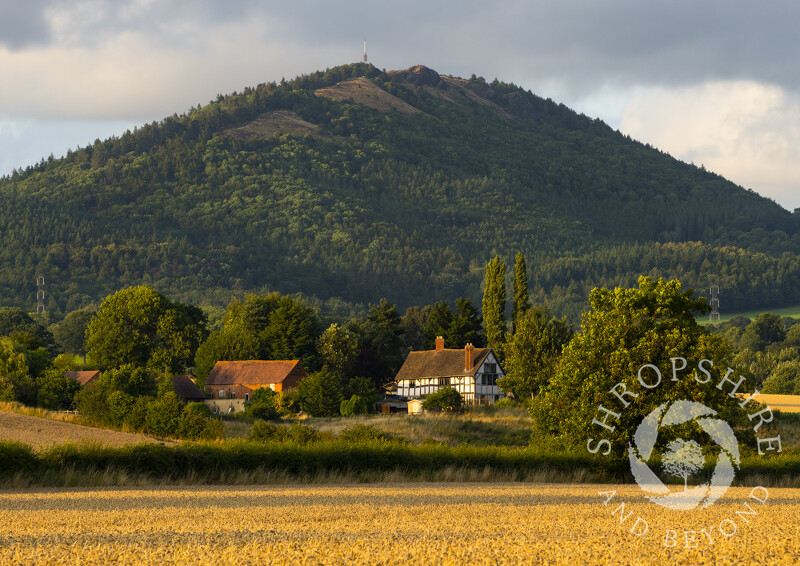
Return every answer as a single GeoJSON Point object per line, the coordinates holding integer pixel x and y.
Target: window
{"type": "Point", "coordinates": [233, 395]}
{"type": "Point", "coordinates": [246, 396]}
{"type": "Point", "coordinates": [221, 393]}
{"type": "Point", "coordinates": [490, 368]}
{"type": "Point", "coordinates": [490, 378]}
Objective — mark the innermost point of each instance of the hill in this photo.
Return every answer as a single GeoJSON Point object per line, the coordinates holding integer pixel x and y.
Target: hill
{"type": "Point", "coordinates": [352, 184]}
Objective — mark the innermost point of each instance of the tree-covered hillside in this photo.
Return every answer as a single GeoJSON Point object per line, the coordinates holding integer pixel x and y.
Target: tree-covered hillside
{"type": "Point", "coordinates": [353, 184]}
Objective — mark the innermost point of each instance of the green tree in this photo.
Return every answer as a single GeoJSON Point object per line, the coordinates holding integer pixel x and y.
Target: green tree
{"type": "Point", "coordinates": [16, 383]}
{"type": "Point", "coordinates": [22, 329]}
{"type": "Point", "coordinates": [533, 352]}
{"type": "Point", "coordinates": [444, 398]}
{"type": "Point", "coordinates": [338, 349]}
{"type": "Point", "coordinates": [164, 415]}
{"type": "Point", "coordinates": [232, 344]}
{"type": "Point", "coordinates": [55, 391]}
{"type": "Point", "coordinates": [130, 379]}
{"type": "Point", "coordinates": [381, 343]}
{"type": "Point", "coordinates": [494, 304]}
{"type": "Point", "coordinates": [766, 329]}
{"type": "Point", "coordinates": [142, 327]}
{"type": "Point", "coordinates": [466, 326]}
{"type": "Point", "coordinates": [626, 329]}
{"type": "Point", "coordinates": [321, 393]}
{"type": "Point", "coordinates": [262, 404]}
{"type": "Point", "coordinates": [70, 333]}
{"type": "Point", "coordinates": [438, 323]}
{"type": "Point", "coordinates": [521, 301]}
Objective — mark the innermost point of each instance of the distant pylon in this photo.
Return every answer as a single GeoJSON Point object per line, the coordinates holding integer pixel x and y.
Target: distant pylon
{"type": "Point", "coordinates": [40, 293]}
{"type": "Point", "coordinates": [365, 51]}
{"type": "Point", "coordinates": [713, 318]}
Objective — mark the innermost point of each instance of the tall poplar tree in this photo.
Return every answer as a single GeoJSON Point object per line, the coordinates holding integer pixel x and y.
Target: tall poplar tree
{"type": "Point", "coordinates": [521, 302]}
{"type": "Point", "coordinates": [494, 304]}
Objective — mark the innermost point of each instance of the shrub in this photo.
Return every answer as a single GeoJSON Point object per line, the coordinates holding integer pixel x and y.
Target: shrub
{"type": "Point", "coordinates": [356, 405]}
{"type": "Point", "coordinates": [446, 399]}
{"type": "Point", "coordinates": [164, 415]}
{"type": "Point", "coordinates": [303, 434]}
{"type": "Point", "coordinates": [362, 432]}
{"type": "Point", "coordinates": [506, 403]}
{"type": "Point", "coordinates": [263, 431]}
{"type": "Point", "coordinates": [261, 404]}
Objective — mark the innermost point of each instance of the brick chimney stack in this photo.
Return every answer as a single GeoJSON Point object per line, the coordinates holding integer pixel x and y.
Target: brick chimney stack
{"type": "Point", "coordinates": [439, 343]}
{"type": "Point", "coordinates": [469, 356]}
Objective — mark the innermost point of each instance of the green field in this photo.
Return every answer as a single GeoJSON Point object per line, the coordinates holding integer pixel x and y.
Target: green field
{"type": "Point", "coordinates": [794, 312]}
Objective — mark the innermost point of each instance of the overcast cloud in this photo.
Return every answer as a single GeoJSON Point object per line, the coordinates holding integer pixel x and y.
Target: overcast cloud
{"type": "Point", "coordinates": [712, 82]}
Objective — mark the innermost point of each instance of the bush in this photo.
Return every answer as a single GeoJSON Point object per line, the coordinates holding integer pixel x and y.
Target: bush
{"type": "Point", "coordinates": [303, 434]}
{"type": "Point", "coordinates": [446, 399]}
{"type": "Point", "coordinates": [356, 405]}
{"type": "Point", "coordinates": [164, 416]}
{"type": "Point", "coordinates": [263, 431]}
{"type": "Point", "coordinates": [261, 404]}
{"type": "Point", "coordinates": [196, 423]}
{"type": "Point", "coordinates": [137, 416]}
{"type": "Point", "coordinates": [55, 391]}
{"type": "Point", "coordinates": [506, 403]}
{"type": "Point", "coordinates": [362, 433]}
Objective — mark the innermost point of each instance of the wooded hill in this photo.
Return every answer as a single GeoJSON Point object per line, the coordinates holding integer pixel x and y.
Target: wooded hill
{"type": "Point", "coordinates": [353, 184]}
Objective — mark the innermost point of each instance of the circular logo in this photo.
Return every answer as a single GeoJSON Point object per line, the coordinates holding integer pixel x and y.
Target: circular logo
{"type": "Point", "coordinates": [683, 458]}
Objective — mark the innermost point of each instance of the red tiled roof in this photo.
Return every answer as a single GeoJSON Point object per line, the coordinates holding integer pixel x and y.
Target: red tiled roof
{"type": "Point", "coordinates": [83, 377]}
{"type": "Point", "coordinates": [253, 372]}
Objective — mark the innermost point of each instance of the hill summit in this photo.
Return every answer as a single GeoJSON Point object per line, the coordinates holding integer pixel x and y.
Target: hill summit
{"type": "Point", "coordinates": [352, 184]}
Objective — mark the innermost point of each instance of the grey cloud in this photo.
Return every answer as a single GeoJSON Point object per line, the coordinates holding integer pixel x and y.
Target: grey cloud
{"type": "Point", "coordinates": [23, 23]}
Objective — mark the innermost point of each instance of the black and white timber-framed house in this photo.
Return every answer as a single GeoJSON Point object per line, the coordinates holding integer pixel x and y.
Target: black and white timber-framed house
{"type": "Point", "coordinates": [473, 372]}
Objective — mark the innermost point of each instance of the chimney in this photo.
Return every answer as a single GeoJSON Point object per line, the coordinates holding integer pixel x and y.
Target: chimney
{"type": "Point", "coordinates": [469, 356]}
{"type": "Point", "coordinates": [439, 343]}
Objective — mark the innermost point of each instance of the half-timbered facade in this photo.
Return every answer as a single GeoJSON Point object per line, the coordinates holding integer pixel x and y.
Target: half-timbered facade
{"type": "Point", "coordinates": [473, 372]}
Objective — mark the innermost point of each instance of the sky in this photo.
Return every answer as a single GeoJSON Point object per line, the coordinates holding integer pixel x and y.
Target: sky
{"type": "Point", "coordinates": [713, 83]}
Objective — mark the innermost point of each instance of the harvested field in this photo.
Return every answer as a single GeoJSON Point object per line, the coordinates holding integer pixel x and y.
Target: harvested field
{"type": "Point", "coordinates": [390, 524]}
{"type": "Point", "coordinates": [42, 433]}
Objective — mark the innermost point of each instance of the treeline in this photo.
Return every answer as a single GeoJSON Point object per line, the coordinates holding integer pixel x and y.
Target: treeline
{"type": "Point", "coordinates": [380, 205]}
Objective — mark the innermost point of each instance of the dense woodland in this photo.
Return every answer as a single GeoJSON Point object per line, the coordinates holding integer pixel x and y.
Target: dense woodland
{"type": "Point", "coordinates": [383, 204]}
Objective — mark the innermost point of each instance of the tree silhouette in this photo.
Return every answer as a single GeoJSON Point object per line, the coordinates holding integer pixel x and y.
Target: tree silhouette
{"type": "Point", "coordinates": [683, 459]}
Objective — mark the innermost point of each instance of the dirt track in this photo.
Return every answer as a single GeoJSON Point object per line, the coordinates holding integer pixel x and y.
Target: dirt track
{"type": "Point", "coordinates": [43, 433]}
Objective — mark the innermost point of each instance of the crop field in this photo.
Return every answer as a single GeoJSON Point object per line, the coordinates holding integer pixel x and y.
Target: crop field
{"type": "Point", "coordinates": [423, 523]}
{"type": "Point", "coordinates": [42, 433]}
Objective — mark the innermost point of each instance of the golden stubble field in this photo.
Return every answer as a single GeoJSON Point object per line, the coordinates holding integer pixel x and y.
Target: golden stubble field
{"type": "Point", "coordinates": [389, 524]}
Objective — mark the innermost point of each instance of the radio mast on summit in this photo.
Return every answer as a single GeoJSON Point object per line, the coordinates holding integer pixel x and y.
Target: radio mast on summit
{"type": "Point", "coordinates": [365, 51]}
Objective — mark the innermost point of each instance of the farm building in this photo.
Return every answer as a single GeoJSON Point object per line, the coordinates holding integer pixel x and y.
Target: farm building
{"type": "Point", "coordinates": [237, 380]}
{"type": "Point", "coordinates": [473, 372]}
{"type": "Point", "coordinates": [84, 377]}
{"type": "Point", "coordinates": [186, 389]}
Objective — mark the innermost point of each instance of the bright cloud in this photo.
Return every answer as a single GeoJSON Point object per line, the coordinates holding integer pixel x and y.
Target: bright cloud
{"type": "Point", "coordinates": [746, 131]}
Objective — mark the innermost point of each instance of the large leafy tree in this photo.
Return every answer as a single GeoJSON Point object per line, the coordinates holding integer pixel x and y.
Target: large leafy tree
{"type": "Point", "coordinates": [263, 327]}
{"type": "Point", "coordinates": [70, 333]}
{"type": "Point", "coordinates": [533, 352]}
{"type": "Point", "coordinates": [141, 326]}
{"type": "Point", "coordinates": [626, 329]}
{"type": "Point", "coordinates": [24, 330]}
{"type": "Point", "coordinates": [494, 304]}
{"type": "Point", "coordinates": [338, 349]}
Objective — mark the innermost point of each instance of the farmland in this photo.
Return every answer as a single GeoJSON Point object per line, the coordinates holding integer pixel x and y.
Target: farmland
{"type": "Point", "coordinates": [474, 523]}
